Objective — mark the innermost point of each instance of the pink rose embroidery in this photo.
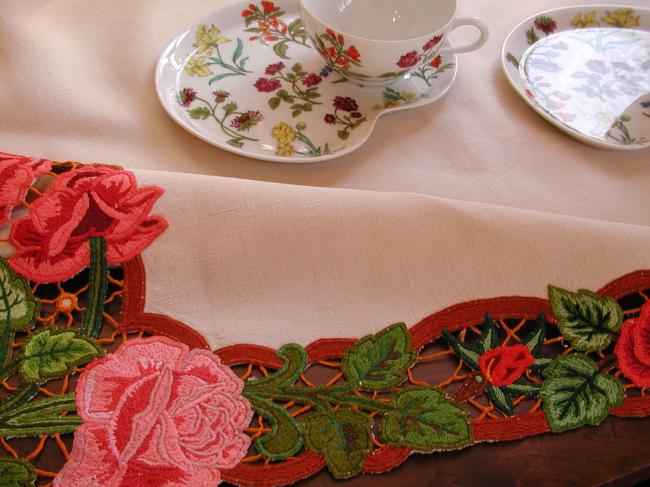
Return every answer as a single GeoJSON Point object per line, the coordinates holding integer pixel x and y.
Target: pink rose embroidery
{"type": "Point", "coordinates": [52, 241]}
{"type": "Point", "coordinates": [16, 174]}
{"type": "Point", "coordinates": [156, 414]}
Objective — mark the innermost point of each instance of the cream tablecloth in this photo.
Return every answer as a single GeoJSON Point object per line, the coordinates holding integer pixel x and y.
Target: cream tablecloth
{"type": "Point", "coordinates": [507, 203]}
{"type": "Point", "coordinates": [76, 82]}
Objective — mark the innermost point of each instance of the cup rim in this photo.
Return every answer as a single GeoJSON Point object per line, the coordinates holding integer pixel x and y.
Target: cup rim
{"type": "Point", "coordinates": [302, 6]}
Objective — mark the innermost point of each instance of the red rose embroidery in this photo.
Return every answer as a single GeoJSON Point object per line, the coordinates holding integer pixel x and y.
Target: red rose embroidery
{"type": "Point", "coordinates": [267, 85]}
{"type": "Point", "coordinates": [633, 348]}
{"type": "Point", "coordinates": [504, 365]}
{"type": "Point", "coordinates": [409, 60]}
{"type": "Point", "coordinates": [16, 174]}
{"type": "Point", "coordinates": [52, 240]}
{"type": "Point", "coordinates": [156, 414]}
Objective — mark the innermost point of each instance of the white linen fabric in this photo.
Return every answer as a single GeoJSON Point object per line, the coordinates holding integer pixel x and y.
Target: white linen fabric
{"type": "Point", "coordinates": [76, 82]}
{"type": "Point", "coordinates": [247, 262]}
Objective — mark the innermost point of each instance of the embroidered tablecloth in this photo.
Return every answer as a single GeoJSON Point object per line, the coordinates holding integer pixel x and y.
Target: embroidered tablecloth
{"type": "Point", "coordinates": [159, 328]}
{"type": "Point", "coordinates": [169, 329]}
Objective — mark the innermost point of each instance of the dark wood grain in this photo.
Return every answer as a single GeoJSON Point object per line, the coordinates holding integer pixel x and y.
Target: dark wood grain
{"type": "Point", "coordinates": [615, 453]}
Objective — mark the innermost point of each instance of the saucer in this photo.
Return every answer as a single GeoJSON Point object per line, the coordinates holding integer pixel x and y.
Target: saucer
{"type": "Point", "coordinates": [586, 70]}
{"type": "Point", "coordinates": [247, 80]}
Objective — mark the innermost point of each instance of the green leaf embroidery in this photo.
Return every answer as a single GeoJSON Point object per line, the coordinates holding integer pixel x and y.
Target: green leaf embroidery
{"type": "Point", "coordinates": [297, 68]}
{"type": "Point", "coordinates": [465, 352]}
{"type": "Point", "coordinates": [531, 36]}
{"type": "Point", "coordinates": [285, 438]}
{"type": "Point", "coordinates": [217, 78]}
{"type": "Point", "coordinates": [575, 394]}
{"type": "Point", "coordinates": [519, 389]}
{"type": "Point", "coordinates": [534, 339]}
{"type": "Point", "coordinates": [425, 421]}
{"type": "Point", "coordinates": [41, 417]}
{"type": "Point", "coordinates": [379, 362]}
{"type": "Point", "coordinates": [500, 399]}
{"type": "Point", "coordinates": [585, 319]}
{"type": "Point", "coordinates": [49, 353]}
{"type": "Point", "coordinates": [16, 472]}
{"type": "Point", "coordinates": [489, 337]}
{"type": "Point", "coordinates": [18, 309]}
{"type": "Point", "coordinates": [274, 102]}
{"type": "Point", "coordinates": [294, 358]}
{"type": "Point", "coordinates": [343, 437]}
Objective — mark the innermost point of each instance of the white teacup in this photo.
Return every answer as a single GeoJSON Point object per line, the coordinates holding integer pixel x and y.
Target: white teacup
{"type": "Point", "coordinates": [375, 42]}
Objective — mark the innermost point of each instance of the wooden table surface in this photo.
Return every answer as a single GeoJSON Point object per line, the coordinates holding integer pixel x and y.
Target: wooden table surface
{"type": "Point", "coordinates": [615, 453]}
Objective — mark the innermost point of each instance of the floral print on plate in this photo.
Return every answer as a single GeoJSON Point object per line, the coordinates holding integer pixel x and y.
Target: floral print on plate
{"type": "Point", "coordinates": [247, 79]}
{"type": "Point", "coordinates": [587, 70]}
{"type": "Point", "coordinates": [588, 78]}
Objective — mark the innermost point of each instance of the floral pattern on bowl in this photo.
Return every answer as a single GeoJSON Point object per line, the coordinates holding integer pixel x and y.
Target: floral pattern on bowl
{"type": "Point", "coordinates": [587, 71]}
{"type": "Point", "coordinates": [226, 81]}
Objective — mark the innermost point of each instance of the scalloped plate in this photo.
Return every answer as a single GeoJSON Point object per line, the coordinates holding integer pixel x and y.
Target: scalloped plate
{"type": "Point", "coordinates": [221, 81]}
{"type": "Point", "coordinates": [586, 69]}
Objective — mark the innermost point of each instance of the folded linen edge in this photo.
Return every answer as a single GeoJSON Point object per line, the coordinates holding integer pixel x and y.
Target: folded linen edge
{"type": "Point", "coordinates": [73, 296]}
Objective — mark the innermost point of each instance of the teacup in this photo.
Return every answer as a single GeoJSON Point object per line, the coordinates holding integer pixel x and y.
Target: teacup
{"type": "Point", "coordinates": [376, 42]}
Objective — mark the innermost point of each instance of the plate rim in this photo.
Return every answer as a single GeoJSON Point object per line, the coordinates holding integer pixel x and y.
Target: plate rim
{"type": "Point", "coordinates": [160, 93]}
{"type": "Point", "coordinates": [591, 141]}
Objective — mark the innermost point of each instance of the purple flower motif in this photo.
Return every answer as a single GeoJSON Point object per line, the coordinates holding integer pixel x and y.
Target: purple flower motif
{"type": "Point", "coordinates": [545, 65]}
{"type": "Point", "coordinates": [645, 104]}
{"type": "Point", "coordinates": [629, 90]}
{"type": "Point", "coordinates": [622, 66]}
{"type": "Point", "coordinates": [597, 66]}
{"type": "Point", "coordinates": [325, 72]}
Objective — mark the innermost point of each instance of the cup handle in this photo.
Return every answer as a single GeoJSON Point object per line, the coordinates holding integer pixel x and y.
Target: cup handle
{"type": "Point", "coordinates": [469, 47]}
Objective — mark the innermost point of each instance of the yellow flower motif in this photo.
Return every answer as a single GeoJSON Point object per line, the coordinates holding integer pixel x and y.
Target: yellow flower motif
{"type": "Point", "coordinates": [588, 20]}
{"type": "Point", "coordinates": [409, 96]}
{"type": "Point", "coordinates": [284, 134]}
{"type": "Point", "coordinates": [376, 108]}
{"type": "Point", "coordinates": [391, 103]}
{"type": "Point", "coordinates": [623, 17]}
{"type": "Point", "coordinates": [196, 66]}
{"type": "Point", "coordinates": [207, 38]}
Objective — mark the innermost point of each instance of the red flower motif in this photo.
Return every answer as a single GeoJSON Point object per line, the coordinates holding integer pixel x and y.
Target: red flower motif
{"type": "Point", "coordinates": [355, 115]}
{"type": "Point", "coordinates": [545, 24]}
{"type": "Point", "coordinates": [353, 53]}
{"type": "Point", "coordinates": [409, 60]}
{"type": "Point", "coordinates": [331, 33]}
{"type": "Point", "coordinates": [186, 96]}
{"type": "Point", "coordinates": [220, 95]}
{"type": "Point", "coordinates": [436, 62]}
{"type": "Point", "coordinates": [346, 104]}
{"type": "Point", "coordinates": [633, 348]}
{"type": "Point", "coordinates": [52, 240]}
{"type": "Point", "coordinates": [312, 80]}
{"type": "Point", "coordinates": [16, 174]}
{"type": "Point", "coordinates": [269, 7]}
{"type": "Point", "coordinates": [329, 118]}
{"type": "Point", "coordinates": [431, 43]}
{"type": "Point", "coordinates": [504, 365]}
{"type": "Point", "coordinates": [267, 85]}
{"type": "Point", "coordinates": [246, 13]}
{"type": "Point", "coordinates": [272, 69]}
{"type": "Point", "coordinates": [246, 120]}
{"type": "Point", "coordinates": [157, 414]}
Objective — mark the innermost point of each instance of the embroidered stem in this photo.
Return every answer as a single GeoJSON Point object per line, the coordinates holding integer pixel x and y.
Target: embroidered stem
{"type": "Point", "coordinates": [9, 369]}
{"type": "Point", "coordinates": [20, 396]}
{"type": "Point", "coordinates": [97, 286]}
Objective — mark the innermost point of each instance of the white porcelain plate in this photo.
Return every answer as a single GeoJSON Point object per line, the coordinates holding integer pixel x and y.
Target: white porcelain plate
{"type": "Point", "coordinates": [586, 70]}
{"type": "Point", "coordinates": [247, 80]}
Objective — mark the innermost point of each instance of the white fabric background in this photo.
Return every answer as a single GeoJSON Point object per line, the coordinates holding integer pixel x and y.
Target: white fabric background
{"type": "Point", "coordinates": [264, 263]}
{"type": "Point", "coordinates": [246, 261]}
